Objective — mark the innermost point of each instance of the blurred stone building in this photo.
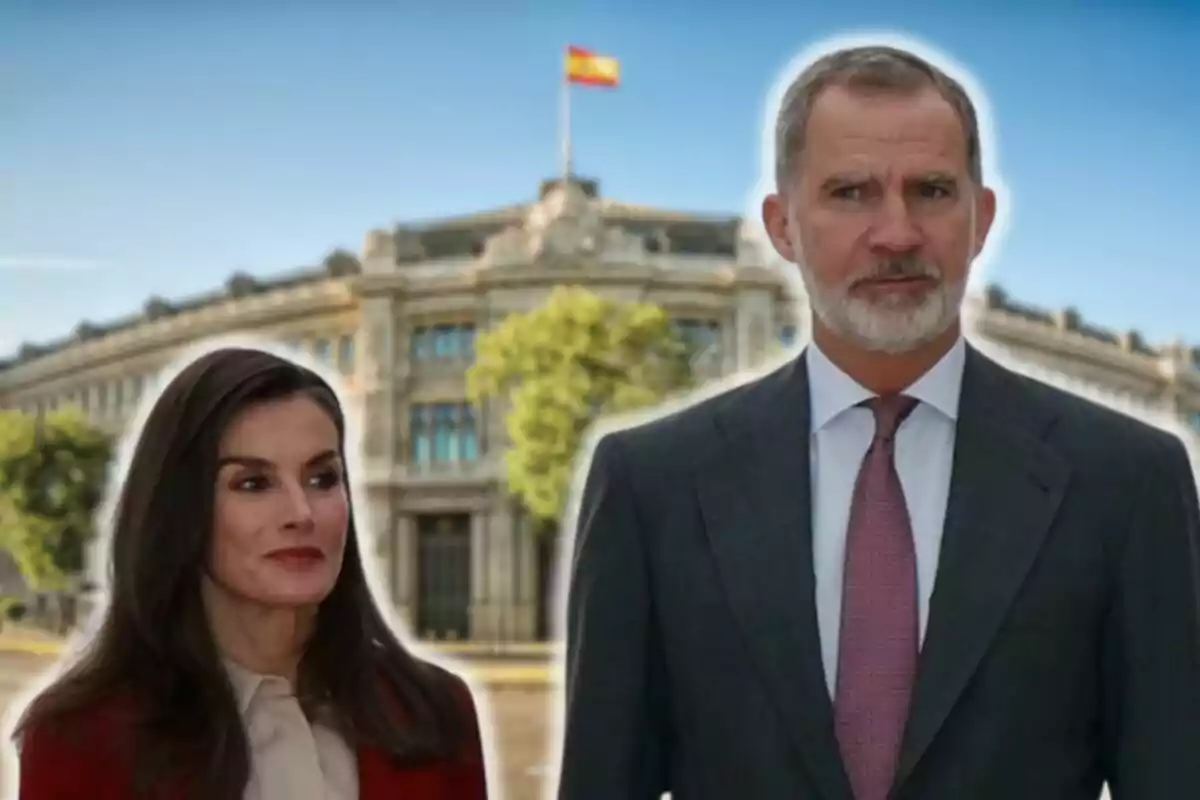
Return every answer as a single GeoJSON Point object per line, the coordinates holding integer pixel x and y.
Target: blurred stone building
{"type": "Point", "coordinates": [399, 322]}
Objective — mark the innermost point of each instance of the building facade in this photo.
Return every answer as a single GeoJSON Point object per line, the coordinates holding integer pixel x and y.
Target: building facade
{"type": "Point", "coordinates": [399, 322]}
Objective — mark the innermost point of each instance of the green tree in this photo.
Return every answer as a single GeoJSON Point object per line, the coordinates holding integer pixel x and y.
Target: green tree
{"type": "Point", "coordinates": [341, 262]}
{"type": "Point", "coordinates": [562, 366]}
{"type": "Point", "coordinates": [52, 476]}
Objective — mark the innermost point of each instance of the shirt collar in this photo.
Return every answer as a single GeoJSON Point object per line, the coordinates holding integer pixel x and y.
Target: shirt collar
{"type": "Point", "coordinates": [832, 391]}
{"type": "Point", "coordinates": [247, 683]}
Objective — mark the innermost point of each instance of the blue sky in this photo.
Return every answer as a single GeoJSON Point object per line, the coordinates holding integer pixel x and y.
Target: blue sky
{"type": "Point", "coordinates": [157, 148]}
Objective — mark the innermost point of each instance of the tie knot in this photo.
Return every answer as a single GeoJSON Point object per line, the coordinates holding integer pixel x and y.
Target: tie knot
{"type": "Point", "coordinates": [890, 410]}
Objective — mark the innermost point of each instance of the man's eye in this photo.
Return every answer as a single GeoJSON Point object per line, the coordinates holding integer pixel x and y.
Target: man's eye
{"type": "Point", "coordinates": [848, 192]}
{"type": "Point", "coordinates": [935, 191]}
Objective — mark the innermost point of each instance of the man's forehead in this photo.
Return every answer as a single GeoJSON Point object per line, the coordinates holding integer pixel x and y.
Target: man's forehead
{"type": "Point", "coordinates": [843, 103]}
{"type": "Point", "coordinates": [917, 128]}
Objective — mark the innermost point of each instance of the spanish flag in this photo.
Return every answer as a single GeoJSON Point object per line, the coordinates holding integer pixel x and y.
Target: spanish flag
{"type": "Point", "coordinates": [591, 69]}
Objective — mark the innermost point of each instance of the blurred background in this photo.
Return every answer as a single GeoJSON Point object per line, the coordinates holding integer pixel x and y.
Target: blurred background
{"type": "Point", "coordinates": [385, 191]}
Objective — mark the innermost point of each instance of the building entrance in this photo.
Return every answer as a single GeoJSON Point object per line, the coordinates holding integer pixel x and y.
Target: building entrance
{"type": "Point", "coordinates": [443, 609]}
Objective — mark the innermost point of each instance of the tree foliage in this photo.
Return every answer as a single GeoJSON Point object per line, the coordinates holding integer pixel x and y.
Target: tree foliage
{"type": "Point", "coordinates": [52, 479]}
{"type": "Point", "coordinates": [341, 262]}
{"type": "Point", "coordinates": [559, 368]}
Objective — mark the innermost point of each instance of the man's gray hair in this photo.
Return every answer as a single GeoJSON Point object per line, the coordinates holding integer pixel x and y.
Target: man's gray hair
{"type": "Point", "coordinates": [872, 68]}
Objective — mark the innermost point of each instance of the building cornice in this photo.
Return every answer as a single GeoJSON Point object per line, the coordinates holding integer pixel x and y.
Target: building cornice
{"type": "Point", "coordinates": [317, 298]}
{"type": "Point", "coordinates": [1061, 334]}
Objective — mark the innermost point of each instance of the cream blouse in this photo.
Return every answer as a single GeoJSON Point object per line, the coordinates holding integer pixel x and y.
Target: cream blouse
{"type": "Point", "coordinates": [290, 758]}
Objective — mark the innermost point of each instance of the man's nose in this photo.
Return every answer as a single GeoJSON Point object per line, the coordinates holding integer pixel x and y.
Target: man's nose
{"type": "Point", "coordinates": [893, 229]}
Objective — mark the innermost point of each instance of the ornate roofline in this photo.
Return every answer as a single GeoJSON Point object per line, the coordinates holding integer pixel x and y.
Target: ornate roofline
{"type": "Point", "coordinates": [994, 303]}
{"type": "Point", "coordinates": [240, 284]}
{"type": "Point", "coordinates": [340, 262]}
{"type": "Point", "coordinates": [516, 232]}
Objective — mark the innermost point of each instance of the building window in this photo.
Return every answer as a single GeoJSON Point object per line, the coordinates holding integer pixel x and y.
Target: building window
{"type": "Point", "coordinates": [1193, 420]}
{"type": "Point", "coordinates": [468, 443]}
{"type": "Point", "coordinates": [787, 335]}
{"type": "Point", "coordinates": [346, 354]}
{"type": "Point", "coordinates": [419, 431]}
{"type": "Point", "coordinates": [444, 342]}
{"type": "Point", "coordinates": [700, 335]}
{"type": "Point", "coordinates": [444, 433]}
{"type": "Point", "coordinates": [321, 350]}
{"type": "Point", "coordinates": [422, 344]}
{"type": "Point", "coordinates": [467, 341]}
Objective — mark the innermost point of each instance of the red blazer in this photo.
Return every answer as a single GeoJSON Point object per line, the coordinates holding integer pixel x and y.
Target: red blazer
{"type": "Point", "coordinates": [84, 763]}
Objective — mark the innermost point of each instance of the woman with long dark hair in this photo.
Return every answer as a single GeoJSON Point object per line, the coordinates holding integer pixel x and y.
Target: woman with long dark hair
{"type": "Point", "coordinates": [242, 655]}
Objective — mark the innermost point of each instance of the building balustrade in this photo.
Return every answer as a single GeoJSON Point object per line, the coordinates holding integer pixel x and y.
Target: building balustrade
{"type": "Point", "coordinates": [441, 368]}
{"type": "Point", "coordinates": [482, 468]}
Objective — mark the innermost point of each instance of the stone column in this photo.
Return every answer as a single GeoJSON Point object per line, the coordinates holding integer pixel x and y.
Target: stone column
{"type": "Point", "coordinates": [375, 535]}
{"type": "Point", "coordinates": [526, 583]}
{"type": "Point", "coordinates": [494, 611]}
{"type": "Point", "coordinates": [492, 418]}
{"type": "Point", "coordinates": [403, 566]}
{"type": "Point", "coordinates": [754, 309]}
{"type": "Point", "coordinates": [375, 365]}
{"type": "Point", "coordinates": [759, 340]}
{"type": "Point", "coordinates": [483, 601]}
{"type": "Point", "coordinates": [730, 341]}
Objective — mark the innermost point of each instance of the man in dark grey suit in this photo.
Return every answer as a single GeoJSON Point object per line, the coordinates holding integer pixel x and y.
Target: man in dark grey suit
{"type": "Point", "coordinates": [892, 568]}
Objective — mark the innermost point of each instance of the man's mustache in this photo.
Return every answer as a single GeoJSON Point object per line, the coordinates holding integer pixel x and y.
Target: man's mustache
{"type": "Point", "coordinates": [896, 269]}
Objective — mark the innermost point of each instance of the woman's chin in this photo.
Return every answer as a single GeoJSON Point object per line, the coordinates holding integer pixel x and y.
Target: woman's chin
{"type": "Point", "coordinates": [293, 593]}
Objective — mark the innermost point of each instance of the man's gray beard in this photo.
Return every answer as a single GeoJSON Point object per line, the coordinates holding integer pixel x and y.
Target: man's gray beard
{"type": "Point", "coordinates": [887, 327]}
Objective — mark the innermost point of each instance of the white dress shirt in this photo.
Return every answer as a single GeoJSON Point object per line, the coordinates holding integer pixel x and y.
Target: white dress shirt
{"type": "Point", "coordinates": [841, 434]}
{"type": "Point", "coordinates": [290, 758]}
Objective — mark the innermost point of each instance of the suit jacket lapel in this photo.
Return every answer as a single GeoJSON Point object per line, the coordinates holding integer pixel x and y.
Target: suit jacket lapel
{"type": "Point", "coordinates": [1006, 487]}
{"type": "Point", "coordinates": [755, 499]}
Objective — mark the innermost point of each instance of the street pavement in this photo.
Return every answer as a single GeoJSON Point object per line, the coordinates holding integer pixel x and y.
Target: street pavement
{"type": "Point", "coordinates": [518, 708]}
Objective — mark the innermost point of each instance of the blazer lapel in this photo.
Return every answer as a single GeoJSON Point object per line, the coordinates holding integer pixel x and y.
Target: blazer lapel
{"type": "Point", "coordinates": [374, 772]}
{"type": "Point", "coordinates": [1006, 487]}
{"type": "Point", "coordinates": [755, 500]}
{"type": "Point", "coordinates": [380, 779]}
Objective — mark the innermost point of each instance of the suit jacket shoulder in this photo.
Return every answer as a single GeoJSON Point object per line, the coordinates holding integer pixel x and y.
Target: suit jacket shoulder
{"type": "Point", "coordinates": [1086, 433]}
{"type": "Point", "coordinates": [688, 438]}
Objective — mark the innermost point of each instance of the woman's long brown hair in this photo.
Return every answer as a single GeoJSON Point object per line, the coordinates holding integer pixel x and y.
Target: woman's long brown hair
{"type": "Point", "coordinates": [154, 645]}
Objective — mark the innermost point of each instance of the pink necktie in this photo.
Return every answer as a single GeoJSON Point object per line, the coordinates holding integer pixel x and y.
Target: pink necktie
{"type": "Point", "coordinates": [877, 657]}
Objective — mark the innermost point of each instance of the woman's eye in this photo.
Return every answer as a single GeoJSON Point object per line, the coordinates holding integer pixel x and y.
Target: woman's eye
{"type": "Point", "coordinates": [253, 484]}
{"type": "Point", "coordinates": [327, 480]}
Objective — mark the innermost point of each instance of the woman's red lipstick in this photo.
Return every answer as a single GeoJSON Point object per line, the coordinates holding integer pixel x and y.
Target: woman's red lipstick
{"type": "Point", "coordinates": [297, 554]}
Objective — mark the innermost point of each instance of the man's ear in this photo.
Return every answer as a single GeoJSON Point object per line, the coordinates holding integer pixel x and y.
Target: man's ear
{"type": "Point", "coordinates": [775, 221]}
{"type": "Point", "coordinates": [985, 215]}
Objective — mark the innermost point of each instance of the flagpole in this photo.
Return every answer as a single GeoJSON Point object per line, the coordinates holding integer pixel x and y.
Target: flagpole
{"type": "Point", "coordinates": [565, 126]}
